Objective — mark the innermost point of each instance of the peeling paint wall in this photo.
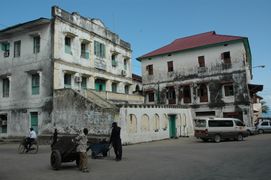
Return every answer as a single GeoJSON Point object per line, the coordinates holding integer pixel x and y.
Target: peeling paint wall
{"type": "Point", "coordinates": [73, 112]}
{"type": "Point", "coordinates": [138, 122]}
{"type": "Point", "coordinates": [82, 29]}
{"type": "Point", "coordinates": [20, 103]}
{"type": "Point", "coordinates": [214, 75]}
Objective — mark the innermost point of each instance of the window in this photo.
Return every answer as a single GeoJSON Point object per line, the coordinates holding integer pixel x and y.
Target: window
{"type": "Point", "coordinates": [6, 87]}
{"type": "Point", "coordinates": [186, 94]}
{"type": "Point", "coordinates": [34, 121]}
{"type": "Point", "coordinates": [170, 66]}
{"type": "Point", "coordinates": [36, 44]}
{"type": "Point", "coordinates": [226, 57]}
{"type": "Point", "coordinates": [99, 49]}
{"type": "Point", "coordinates": [220, 123]}
{"type": "Point", "coordinates": [84, 83]}
{"type": "Point", "coordinates": [125, 62]}
{"type": "Point", "coordinates": [228, 90]}
{"type": "Point", "coordinates": [84, 53]}
{"type": "Point", "coordinates": [239, 123]}
{"type": "Point", "coordinates": [67, 80]}
{"type": "Point", "coordinates": [3, 123]}
{"type": "Point", "coordinates": [149, 68]}
{"type": "Point", "coordinates": [68, 49]}
{"type": "Point", "coordinates": [264, 123]}
{"type": "Point", "coordinates": [5, 48]}
{"type": "Point", "coordinates": [35, 84]}
{"type": "Point", "coordinates": [126, 89]}
{"type": "Point", "coordinates": [171, 95]}
{"type": "Point", "coordinates": [17, 48]}
{"type": "Point", "coordinates": [201, 61]}
{"type": "Point", "coordinates": [150, 96]}
{"type": "Point", "coordinates": [113, 60]}
{"type": "Point", "coordinates": [114, 87]}
{"type": "Point", "coordinates": [203, 93]}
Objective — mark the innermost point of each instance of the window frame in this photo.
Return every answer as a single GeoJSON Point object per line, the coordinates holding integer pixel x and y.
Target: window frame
{"type": "Point", "coordinates": [170, 67]}
{"type": "Point", "coordinates": [36, 44]}
{"type": "Point", "coordinates": [201, 61]}
{"type": "Point", "coordinates": [99, 49]}
{"type": "Point", "coordinates": [149, 69]}
{"type": "Point", "coordinates": [68, 44]}
{"type": "Point", "coordinates": [17, 48]}
{"type": "Point", "coordinates": [226, 57]}
{"type": "Point", "coordinates": [228, 92]}
{"type": "Point", "coordinates": [35, 84]}
{"type": "Point", "coordinates": [5, 87]}
{"type": "Point", "coordinates": [69, 76]}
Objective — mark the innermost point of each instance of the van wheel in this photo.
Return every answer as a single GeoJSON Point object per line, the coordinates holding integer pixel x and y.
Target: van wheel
{"type": "Point", "coordinates": [217, 138]}
{"type": "Point", "coordinates": [240, 137]}
{"type": "Point", "coordinates": [260, 131]}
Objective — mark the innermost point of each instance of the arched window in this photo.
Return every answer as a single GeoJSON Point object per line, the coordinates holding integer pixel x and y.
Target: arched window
{"type": "Point", "coordinates": [145, 126]}
{"type": "Point", "coordinates": [156, 123]}
{"type": "Point", "coordinates": [132, 124]}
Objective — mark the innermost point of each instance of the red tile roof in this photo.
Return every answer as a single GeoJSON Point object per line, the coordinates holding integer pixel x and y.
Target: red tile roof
{"type": "Point", "coordinates": [190, 42]}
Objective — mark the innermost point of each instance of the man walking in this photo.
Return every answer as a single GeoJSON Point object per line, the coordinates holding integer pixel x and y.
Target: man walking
{"type": "Point", "coordinates": [116, 141]}
{"type": "Point", "coordinates": [81, 149]}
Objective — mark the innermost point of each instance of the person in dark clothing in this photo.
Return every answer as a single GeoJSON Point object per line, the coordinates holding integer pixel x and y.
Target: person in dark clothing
{"type": "Point", "coordinates": [116, 141]}
{"type": "Point", "coordinates": [54, 138]}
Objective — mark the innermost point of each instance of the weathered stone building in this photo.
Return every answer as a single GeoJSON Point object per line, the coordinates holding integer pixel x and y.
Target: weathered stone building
{"type": "Point", "coordinates": [207, 72]}
{"type": "Point", "coordinates": [43, 57]}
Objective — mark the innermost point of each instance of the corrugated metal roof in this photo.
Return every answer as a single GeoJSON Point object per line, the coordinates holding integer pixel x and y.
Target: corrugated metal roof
{"type": "Point", "coordinates": [190, 42]}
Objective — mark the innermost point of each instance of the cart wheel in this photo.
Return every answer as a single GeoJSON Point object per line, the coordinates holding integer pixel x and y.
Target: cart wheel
{"type": "Point", "coordinates": [21, 149]}
{"type": "Point", "coordinates": [93, 155]}
{"type": "Point", "coordinates": [55, 159]}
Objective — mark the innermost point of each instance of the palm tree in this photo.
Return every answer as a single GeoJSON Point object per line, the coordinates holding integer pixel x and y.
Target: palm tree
{"type": "Point", "coordinates": [265, 107]}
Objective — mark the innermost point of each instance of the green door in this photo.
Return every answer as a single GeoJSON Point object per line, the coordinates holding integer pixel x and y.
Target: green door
{"type": "Point", "coordinates": [34, 121]}
{"type": "Point", "coordinates": [100, 85]}
{"type": "Point", "coordinates": [172, 126]}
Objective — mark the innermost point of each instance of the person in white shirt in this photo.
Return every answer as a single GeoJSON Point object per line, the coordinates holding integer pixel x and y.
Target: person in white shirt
{"type": "Point", "coordinates": [30, 139]}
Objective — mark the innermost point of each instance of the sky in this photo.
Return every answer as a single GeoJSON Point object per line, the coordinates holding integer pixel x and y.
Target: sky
{"type": "Point", "coordinates": [151, 24]}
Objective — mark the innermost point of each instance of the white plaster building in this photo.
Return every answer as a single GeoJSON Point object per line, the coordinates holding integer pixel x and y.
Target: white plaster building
{"type": "Point", "coordinates": [67, 51]}
{"type": "Point", "coordinates": [70, 72]}
{"type": "Point", "coordinates": [207, 72]}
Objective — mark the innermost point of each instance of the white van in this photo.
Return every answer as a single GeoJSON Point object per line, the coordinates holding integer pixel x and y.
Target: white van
{"type": "Point", "coordinates": [217, 129]}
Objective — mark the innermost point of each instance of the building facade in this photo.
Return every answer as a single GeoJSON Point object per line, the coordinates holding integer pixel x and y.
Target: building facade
{"type": "Point", "coordinates": [43, 56]}
{"type": "Point", "coordinates": [208, 72]}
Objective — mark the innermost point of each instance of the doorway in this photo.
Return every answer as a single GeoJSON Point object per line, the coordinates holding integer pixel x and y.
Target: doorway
{"type": "Point", "coordinates": [172, 126]}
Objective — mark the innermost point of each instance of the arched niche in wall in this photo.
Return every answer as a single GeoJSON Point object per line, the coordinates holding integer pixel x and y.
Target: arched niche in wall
{"type": "Point", "coordinates": [131, 124]}
{"type": "Point", "coordinates": [179, 120]}
{"type": "Point", "coordinates": [145, 124]}
{"type": "Point", "coordinates": [156, 122]}
{"type": "Point", "coordinates": [165, 122]}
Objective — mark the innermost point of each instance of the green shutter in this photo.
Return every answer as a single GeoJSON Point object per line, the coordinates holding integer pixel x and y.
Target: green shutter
{"type": "Point", "coordinates": [35, 84]}
{"type": "Point", "coordinates": [34, 121]}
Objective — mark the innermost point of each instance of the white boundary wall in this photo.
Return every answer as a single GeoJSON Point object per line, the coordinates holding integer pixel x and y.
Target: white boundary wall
{"type": "Point", "coordinates": [132, 117]}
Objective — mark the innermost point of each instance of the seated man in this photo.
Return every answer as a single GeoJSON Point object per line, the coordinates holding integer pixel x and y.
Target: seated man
{"type": "Point", "coordinates": [30, 139]}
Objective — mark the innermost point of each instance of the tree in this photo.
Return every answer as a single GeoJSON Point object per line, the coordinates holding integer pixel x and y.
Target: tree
{"type": "Point", "coordinates": [265, 107]}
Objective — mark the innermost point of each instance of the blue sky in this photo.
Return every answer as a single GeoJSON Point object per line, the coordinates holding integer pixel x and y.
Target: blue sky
{"type": "Point", "coordinates": [150, 24]}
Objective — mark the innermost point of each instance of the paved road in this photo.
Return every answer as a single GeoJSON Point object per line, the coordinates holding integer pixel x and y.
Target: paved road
{"type": "Point", "coordinates": [178, 159]}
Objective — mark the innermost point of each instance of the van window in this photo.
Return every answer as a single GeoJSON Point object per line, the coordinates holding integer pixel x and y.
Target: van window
{"type": "Point", "coordinates": [239, 123]}
{"type": "Point", "coordinates": [200, 123]}
{"type": "Point", "coordinates": [264, 123]}
{"type": "Point", "coordinates": [218, 123]}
